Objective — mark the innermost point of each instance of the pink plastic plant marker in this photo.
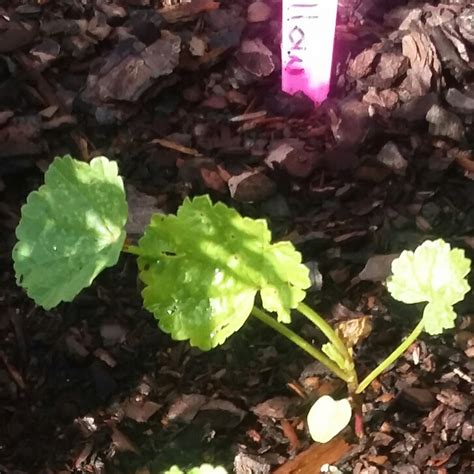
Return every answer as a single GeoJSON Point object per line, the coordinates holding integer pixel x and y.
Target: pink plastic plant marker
{"type": "Point", "coordinates": [307, 46]}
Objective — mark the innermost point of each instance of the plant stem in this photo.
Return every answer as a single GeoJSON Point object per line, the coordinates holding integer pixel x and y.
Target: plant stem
{"type": "Point", "coordinates": [326, 329]}
{"type": "Point", "coordinates": [391, 358]}
{"type": "Point", "coordinates": [300, 342]}
{"type": "Point", "coordinates": [131, 249]}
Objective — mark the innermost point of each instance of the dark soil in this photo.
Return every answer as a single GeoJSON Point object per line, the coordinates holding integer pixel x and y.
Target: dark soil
{"type": "Point", "coordinates": [385, 163]}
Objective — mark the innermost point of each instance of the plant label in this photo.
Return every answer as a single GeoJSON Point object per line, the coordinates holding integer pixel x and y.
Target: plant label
{"type": "Point", "coordinates": [307, 46]}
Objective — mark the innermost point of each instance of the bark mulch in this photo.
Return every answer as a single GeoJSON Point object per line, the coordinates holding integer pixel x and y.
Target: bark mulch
{"type": "Point", "coordinates": [186, 97]}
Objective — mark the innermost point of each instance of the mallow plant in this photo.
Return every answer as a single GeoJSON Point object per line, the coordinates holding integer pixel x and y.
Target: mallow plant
{"type": "Point", "coordinates": [207, 269]}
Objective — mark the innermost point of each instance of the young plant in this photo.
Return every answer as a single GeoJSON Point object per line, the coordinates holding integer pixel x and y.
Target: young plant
{"type": "Point", "coordinates": [205, 268]}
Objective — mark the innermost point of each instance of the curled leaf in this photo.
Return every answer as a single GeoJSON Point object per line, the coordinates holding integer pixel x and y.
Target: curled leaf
{"type": "Point", "coordinates": [203, 267]}
{"type": "Point", "coordinates": [70, 229]}
{"type": "Point", "coordinates": [354, 330]}
{"type": "Point", "coordinates": [334, 355]}
{"type": "Point", "coordinates": [328, 417]}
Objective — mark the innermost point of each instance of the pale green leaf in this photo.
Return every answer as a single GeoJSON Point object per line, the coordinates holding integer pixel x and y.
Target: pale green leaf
{"type": "Point", "coordinates": [202, 469]}
{"type": "Point", "coordinates": [174, 470]}
{"type": "Point", "coordinates": [437, 317]}
{"type": "Point", "coordinates": [203, 268]}
{"type": "Point", "coordinates": [433, 271]}
{"type": "Point", "coordinates": [328, 417]}
{"type": "Point", "coordinates": [70, 229]}
{"type": "Point", "coordinates": [207, 469]}
{"type": "Point", "coordinates": [287, 279]}
{"type": "Point", "coordinates": [334, 355]}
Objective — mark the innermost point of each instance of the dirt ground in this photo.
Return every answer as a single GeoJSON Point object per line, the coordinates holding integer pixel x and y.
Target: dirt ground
{"type": "Point", "coordinates": [186, 97]}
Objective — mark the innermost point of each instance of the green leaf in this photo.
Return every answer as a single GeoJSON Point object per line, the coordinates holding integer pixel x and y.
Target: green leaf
{"type": "Point", "coordinates": [70, 229]}
{"type": "Point", "coordinates": [328, 417]}
{"type": "Point", "coordinates": [203, 268]}
{"type": "Point", "coordinates": [207, 469]}
{"type": "Point", "coordinates": [434, 273]}
{"type": "Point", "coordinates": [330, 350]}
{"type": "Point", "coordinates": [437, 317]}
{"type": "Point", "coordinates": [203, 469]}
{"type": "Point", "coordinates": [174, 470]}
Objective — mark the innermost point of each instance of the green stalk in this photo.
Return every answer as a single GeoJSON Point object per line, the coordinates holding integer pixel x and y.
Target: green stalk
{"type": "Point", "coordinates": [131, 249]}
{"type": "Point", "coordinates": [391, 358]}
{"type": "Point", "coordinates": [327, 330]}
{"type": "Point", "coordinates": [300, 342]}
{"type": "Point", "coordinates": [137, 251]}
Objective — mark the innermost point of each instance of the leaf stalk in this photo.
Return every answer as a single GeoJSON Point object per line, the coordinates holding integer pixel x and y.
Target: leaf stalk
{"type": "Point", "coordinates": [326, 329]}
{"type": "Point", "coordinates": [391, 358]}
{"type": "Point", "coordinates": [132, 250]}
{"type": "Point", "coordinates": [300, 342]}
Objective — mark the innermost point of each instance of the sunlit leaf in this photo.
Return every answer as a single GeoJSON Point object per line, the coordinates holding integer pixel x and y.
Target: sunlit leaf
{"type": "Point", "coordinates": [70, 229]}
{"type": "Point", "coordinates": [202, 469]}
{"type": "Point", "coordinates": [328, 417]}
{"type": "Point", "coordinates": [434, 273]}
{"type": "Point", "coordinates": [174, 470]}
{"type": "Point", "coordinates": [207, 469]}
{"type": "Point", "coordinates": [437, 317]}
{"type": "Point", "coordinates": [203, 268]}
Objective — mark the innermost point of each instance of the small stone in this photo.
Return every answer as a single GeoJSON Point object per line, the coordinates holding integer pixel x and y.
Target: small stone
{"type": "Point", "coordinates": [255, 58]}
{"type": "Point", "coordinates": [421, 397]}
{"type": "Point", "coordinates": [462, 102]}
{"type": "Point", "coordinates": [292, 157]}
{"type": "Point", "coordinates": [465, 22]}
{"type": "Point", "coordinates": [467, 431]}
{"type": "Point", "coordinates": [386, 98]}
{"type": "Point", "coordinates": [217, 102]}
{"type": "Point", "coordinates": [444, 123]}
{"type": "Point", "coordinates": [258, 12]}
{"type": "Point", "coordinates": [251, 186]}
{"type": "Point", "coordinates": [464, 339]}
{"type": "Point", "coordinates": [275, 408]}
{"type": "Point", "coordinates": [286, 105]}
{"type": "Point", "coordinates": [454, 399]}
{"type": "Point", "coordinates": [362, 64]}
{"type": "Point", "coordinates": [390, 67]}
{"type": "Point", "coordinates": [315, 276]}
{"type": "Point", "coordinates": [276, 207]}
{"type": "Point", "coordinates": [185, 408]}
{"type": "Point", "coordinates": [98, 26]}
{"type": "Point", "coordinates": [378, 267]}
{"type": "Point", "coordinates": [197, 46]}
{"type": "Point", "coordinates": [5, 116]}
{"type": "Point", "coordinates": [416, 109]}
{"type": "Point", "coordinates": [115, 13]}
{"type": "Point", "coordinates": [251, 463]}
{"type": "Point", "coordinates": [112, 333]}
{"type": "Point", "coordinates": [391, 157]}
{"type": "Point", "coordinates": [47, 51]}
{"type": "Point", "coordinates": [192, 93]}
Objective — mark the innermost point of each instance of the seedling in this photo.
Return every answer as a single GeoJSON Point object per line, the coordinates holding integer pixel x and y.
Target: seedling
{"type": "Point", "coordinates": [204, 268]}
